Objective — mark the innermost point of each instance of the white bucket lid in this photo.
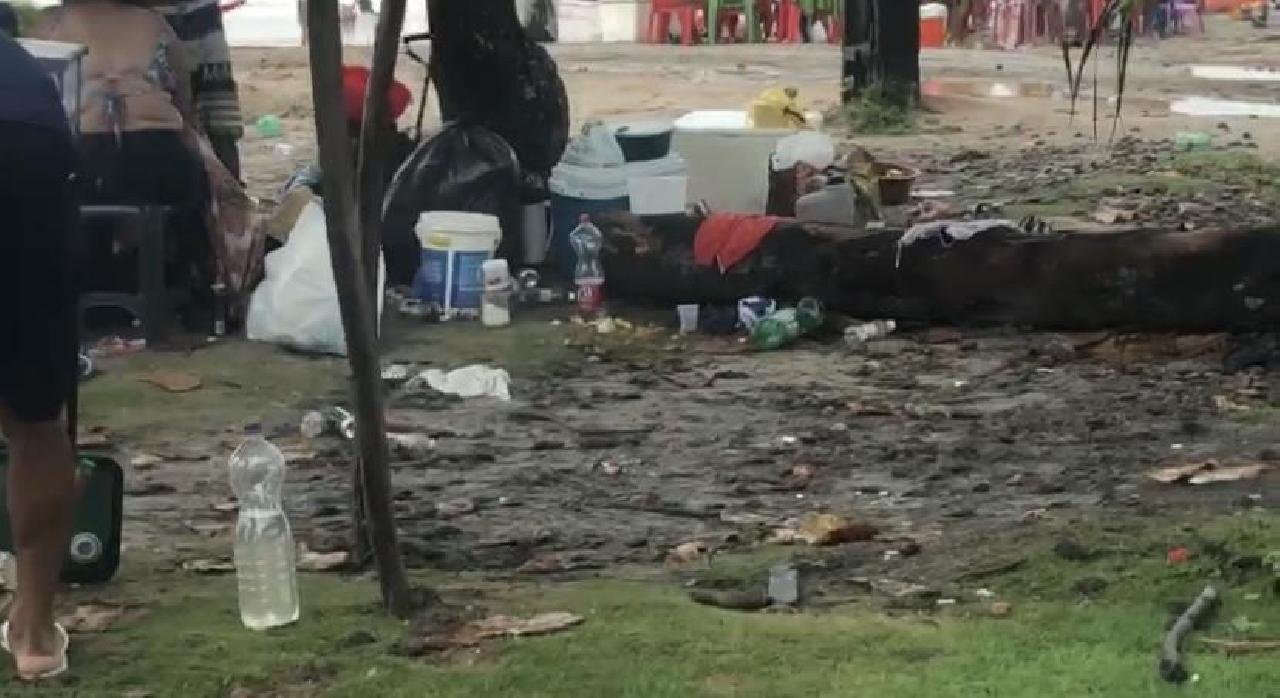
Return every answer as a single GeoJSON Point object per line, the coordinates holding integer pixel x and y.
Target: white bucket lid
{"type": "Point", "coordinates": [933, 10]}
{"type": "Point", "coordinates": [590, 183]}
{"type": "Point", "coordinates": [459, 223]}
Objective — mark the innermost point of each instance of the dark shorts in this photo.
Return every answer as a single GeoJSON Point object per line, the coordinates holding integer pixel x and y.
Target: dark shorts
{"type": "Point", "coordinates": [146, 167]}
{"type": "Point", "coordinates": [38, 211]}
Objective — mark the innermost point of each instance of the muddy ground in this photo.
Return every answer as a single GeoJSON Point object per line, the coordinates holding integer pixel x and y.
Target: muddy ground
{"type": "Point", "coordinates": [617, 448]}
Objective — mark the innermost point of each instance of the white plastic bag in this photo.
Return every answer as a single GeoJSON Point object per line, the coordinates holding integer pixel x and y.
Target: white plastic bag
{"type": "Point", "coordinates": [596, 147]}
{"type": "Point", "coordinates": [470, 381]}
{"type": "Point", "coordinates": [810, 147]}
{"type": "Point", "coordinates": [296, 305]}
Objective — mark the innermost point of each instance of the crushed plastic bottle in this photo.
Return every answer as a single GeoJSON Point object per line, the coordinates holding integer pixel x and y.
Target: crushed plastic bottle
{"type": "Point", "coordinates": [787, 325]}
{"type": "Point", "coordinates": [858, 336]}
{"type": "Point", "coordinates": [784, 585]}
{"type": "Point", "coordinates": [265, 556]}
{"type": "Point", "coordinates": [334, 420]}
{"type": "Point", "coordinates": [587, 241]}
{"type": "Point", "coordinates": [1192, 140]}
{"type": "Point", "coordinates": [269, 126]}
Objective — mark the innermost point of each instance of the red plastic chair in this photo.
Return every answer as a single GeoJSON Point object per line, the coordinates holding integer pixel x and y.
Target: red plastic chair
{"type": "Point", "coordinates": [661, 12]}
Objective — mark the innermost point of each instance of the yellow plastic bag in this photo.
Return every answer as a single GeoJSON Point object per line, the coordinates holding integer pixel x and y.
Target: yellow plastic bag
{"type": "Point", "coordinates": [777, 107]}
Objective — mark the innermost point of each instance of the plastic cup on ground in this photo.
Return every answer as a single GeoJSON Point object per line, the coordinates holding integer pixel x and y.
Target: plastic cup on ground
{"type": "Point", "coordinates": [688, 318]}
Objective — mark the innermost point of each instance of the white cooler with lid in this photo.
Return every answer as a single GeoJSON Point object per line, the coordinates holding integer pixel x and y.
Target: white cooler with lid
{"type": "Point", "coordinates": [728, 162]}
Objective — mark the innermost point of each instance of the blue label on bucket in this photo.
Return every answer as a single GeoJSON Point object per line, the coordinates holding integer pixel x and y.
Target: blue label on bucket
{"type": "Point", "coordinates": [452, 280]}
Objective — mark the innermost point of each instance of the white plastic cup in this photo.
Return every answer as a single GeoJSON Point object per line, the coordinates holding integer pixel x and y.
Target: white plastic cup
{"type": "Point", "coordinates": [688, 318]}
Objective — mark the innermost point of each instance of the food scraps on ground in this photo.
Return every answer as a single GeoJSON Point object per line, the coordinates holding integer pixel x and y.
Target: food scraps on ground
{"type": "Point", "coordinates": [686, 553]}
{"type": "Point", "coordinates": [499, 626]}
{"type": "Point", "coordinates": [173, 381]}
{"type": "Point", "coordinates": [1206, 472]}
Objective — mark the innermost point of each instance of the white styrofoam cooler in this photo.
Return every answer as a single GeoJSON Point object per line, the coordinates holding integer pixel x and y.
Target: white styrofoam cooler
{"type": "Point", "coordinates": [728, 161]}
{"type": "Point", "coordinates": [578, 21]}
{"type": "Point", "coordinates": [623, 20]}
{"type": "Point", "coordinates": [590, 21]}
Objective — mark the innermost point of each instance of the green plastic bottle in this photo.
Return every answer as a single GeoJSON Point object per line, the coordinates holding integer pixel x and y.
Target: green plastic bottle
{"type": "Point", "coordinates": [787, 325]}
{"type": "Point", "coordinates": [269, 126]}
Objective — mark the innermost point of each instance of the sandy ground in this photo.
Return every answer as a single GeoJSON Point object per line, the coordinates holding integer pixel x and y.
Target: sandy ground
{"type": "Point", "coordinates": [616, 80]}
{"type": "Point", "coordinates": [615, 449]}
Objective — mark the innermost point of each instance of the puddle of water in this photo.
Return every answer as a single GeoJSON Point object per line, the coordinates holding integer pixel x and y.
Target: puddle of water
{"type": "Point", "coordinates": [998, 89]}
{"type": "Point", "coordinates": [1234, 73]}
{"type": "Point", "coordinates": [1208, 106]}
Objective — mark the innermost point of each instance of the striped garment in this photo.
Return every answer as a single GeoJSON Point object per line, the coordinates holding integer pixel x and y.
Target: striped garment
{"type": "Point", "coordinates": [198, 23]}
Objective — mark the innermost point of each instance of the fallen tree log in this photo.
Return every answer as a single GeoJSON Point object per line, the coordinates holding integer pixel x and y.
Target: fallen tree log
{"type": "Point", "coordinates": [1148, 280]}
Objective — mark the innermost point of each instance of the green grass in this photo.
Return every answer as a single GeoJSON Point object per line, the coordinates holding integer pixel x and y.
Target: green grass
{"type": "Point", "coordinates": [242, 381]}
{"type": "Point", "coordinates": [878, 112]}
{"type": "Point", "coordinates": [647, 640]}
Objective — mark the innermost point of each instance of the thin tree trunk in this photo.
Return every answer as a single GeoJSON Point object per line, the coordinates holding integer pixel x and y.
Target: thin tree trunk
{"type": "Point", "coordinates": [374, 142]}
{"type": "Point", "coordinates": [881, 48]}
{"type": "Point", "coordinates": [371, 173]}
{"type": "Point", "coordinates": [358, 310]}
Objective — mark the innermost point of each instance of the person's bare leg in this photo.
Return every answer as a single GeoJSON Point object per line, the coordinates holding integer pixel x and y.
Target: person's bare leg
{"type": "Point", "coordinates": [41, 487]}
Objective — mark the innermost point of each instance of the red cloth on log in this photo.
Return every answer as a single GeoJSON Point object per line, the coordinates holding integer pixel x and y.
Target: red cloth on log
{"type": "Point", "coordinates": [728, 238]}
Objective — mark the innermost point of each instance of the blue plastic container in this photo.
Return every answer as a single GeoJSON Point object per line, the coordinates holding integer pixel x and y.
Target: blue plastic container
{"type": "Point", "coordinates": [455, 247]}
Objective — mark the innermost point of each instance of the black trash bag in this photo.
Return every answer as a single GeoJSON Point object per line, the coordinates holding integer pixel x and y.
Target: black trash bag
{"type": "Point", "coordinates": [488, 72]}
{"type": "Point", "coordinates": [463, 168]}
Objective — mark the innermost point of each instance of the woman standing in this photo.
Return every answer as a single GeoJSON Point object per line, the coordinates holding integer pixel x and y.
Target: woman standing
{"type": "Point", "coordinates": [143, 143]}
{"type": "Point", "coordinates": [37, 346]}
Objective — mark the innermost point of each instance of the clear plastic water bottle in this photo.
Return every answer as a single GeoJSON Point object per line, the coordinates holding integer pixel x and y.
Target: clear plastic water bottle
{"type": "Point", "coordinates": [587, 241]}
{"type": "Point", "coordinates": [858, 336]}
{"type": "Point", "coordinates": [265, 556]}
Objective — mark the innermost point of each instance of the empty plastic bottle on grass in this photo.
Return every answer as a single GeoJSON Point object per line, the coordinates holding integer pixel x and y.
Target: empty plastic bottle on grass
{"type": "Point", "coordinates": [787, 325]}
{"type": "Point", "coordinates": [265, 556]}
{"type": "Point", "coordinates": [587, 240]}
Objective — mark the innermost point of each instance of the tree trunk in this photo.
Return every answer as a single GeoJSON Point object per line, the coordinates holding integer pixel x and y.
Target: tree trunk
{"type": "Point", "coordinates": [359, 312]}
{"type": "Point", "coordinates": [1148, 280]}
{"type": "Point", "coordinates": [881, 48]}
{"type": "Point", "coordinates": [375, 143]}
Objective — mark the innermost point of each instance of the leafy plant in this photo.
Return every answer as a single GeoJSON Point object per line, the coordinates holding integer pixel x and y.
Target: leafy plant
{"type": "Point", "coordinates": [881, 110]}
{"type": "Point", "coordinates": [1125, 12]}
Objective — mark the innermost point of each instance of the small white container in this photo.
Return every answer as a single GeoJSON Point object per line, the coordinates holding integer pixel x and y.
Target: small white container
{"type": "Point", "coordinates": [688, 318]}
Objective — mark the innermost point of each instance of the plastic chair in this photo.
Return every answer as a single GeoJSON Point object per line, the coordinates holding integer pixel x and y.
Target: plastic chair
{"type": "Point", "coordinates": [1185, 13]}
{"type": "Point", "coordinates": [661, 12]}
{"type": "Point", "coordinates": [791, 13]}
{"type": "Point", "coordinates": [154, 302]}
{"type": "Point", "coordinates": [726, 12]}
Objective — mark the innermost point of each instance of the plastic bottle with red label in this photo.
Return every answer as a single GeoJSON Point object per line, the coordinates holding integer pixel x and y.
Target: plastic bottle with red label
{"type": "Point", "coordinates": [587, 241]}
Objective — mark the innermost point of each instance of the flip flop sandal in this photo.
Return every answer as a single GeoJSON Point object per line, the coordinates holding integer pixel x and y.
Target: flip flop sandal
{"type": "Point", "coordinates": [62, 667]}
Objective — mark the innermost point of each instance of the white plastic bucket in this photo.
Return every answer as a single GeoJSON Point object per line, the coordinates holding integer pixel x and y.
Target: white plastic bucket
{"type": "Point", "coordinates": [455, 247]}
